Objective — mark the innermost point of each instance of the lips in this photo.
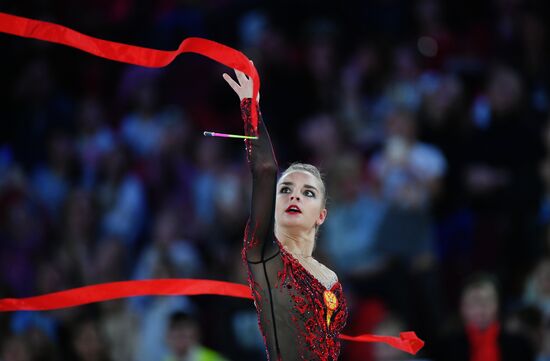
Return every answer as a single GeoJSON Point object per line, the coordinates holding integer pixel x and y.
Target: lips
{"type": "Point", "coordinates": [293, 209]}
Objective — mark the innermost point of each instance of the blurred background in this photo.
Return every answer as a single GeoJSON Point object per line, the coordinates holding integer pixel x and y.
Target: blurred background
{"type": "Point", "coordinates": [429, 118]}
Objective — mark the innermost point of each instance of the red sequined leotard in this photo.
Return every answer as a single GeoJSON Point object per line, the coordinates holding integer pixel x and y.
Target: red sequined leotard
{"type": "Point", "coordinates": [296, 320]}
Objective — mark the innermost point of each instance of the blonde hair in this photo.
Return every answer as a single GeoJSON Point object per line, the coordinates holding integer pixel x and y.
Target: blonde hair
{"type": "Point", "coordinates": [311, 169]}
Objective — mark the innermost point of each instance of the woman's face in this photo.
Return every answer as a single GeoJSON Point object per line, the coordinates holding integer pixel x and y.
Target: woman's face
{"type": "Point", "coordinates": [300, 202]}
{"type": "Point", "coordinates": [479, 306]}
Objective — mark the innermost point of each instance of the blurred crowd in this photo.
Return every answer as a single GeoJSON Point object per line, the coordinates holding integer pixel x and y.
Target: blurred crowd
{"type": "Point", "coordinates": [429, 118]}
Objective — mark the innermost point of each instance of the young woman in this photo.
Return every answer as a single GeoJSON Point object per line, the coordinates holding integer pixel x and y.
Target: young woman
{"type": "Point", "coordinates": [300, 303]}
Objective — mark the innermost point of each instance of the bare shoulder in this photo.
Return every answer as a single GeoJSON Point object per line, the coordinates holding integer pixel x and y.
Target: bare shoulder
{"type": "Point", "coordinates": [332, 273]}
{"type": "Point", "coordinates": [327, 271]}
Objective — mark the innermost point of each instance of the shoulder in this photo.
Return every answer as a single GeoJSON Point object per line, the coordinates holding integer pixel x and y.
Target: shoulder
{"type": "Point", "coordinates": [331, 272]}
{"type": "Point", "coordinates": [425, 150]}
{"type": "Point", "coordinates": [328, 271]}
{"type": "Point", "coordinates": [334, 275]}
{"type": "Point", "coordinates": [429, 158]}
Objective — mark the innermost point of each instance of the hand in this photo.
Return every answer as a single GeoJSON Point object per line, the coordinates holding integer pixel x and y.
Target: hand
{"type": "Point", "coordinates": [244, 87]}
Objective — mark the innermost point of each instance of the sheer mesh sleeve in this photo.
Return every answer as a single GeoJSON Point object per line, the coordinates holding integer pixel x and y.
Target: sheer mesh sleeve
{"type": "Point", "coordinates": [259, 241]}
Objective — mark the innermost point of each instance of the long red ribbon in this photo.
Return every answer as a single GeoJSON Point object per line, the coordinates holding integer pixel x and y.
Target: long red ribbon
{"type": "Point", "coordinates": [115, 290]}
{"type": "Point", "coordinates": [131, 54]}
{"type": "Point", "coordinates": [408, 341]}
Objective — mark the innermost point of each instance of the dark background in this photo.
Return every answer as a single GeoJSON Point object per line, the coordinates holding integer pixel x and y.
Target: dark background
{"type": "Point", "coordinates": [105, 175]}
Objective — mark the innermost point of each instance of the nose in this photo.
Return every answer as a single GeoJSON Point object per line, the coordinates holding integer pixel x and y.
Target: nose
{"type": "Point", "coordinates": [294, 197]}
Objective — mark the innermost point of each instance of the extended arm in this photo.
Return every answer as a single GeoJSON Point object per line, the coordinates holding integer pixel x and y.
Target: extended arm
{"type": "Point", "coordinates": [259, 238]}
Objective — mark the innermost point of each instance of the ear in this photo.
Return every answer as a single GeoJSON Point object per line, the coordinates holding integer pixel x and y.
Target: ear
{"type": "Point", "coordinates": [322, 217]}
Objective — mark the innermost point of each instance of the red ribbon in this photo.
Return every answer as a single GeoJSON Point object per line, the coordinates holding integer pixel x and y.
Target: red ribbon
{"type": "Point", "coordinates": [115, 290]}
{"type": "Point", "coordinates": [131, 54]}
{"type": "Point", "coordinates": [408, 341]}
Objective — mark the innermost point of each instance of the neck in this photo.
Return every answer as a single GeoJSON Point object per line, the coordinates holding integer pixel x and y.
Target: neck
{"type": "Point", "coordinates": [298, 243]}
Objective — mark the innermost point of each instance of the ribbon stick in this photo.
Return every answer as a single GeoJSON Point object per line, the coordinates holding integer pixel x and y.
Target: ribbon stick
{"type": "Point", "coordinates": [224, 135]}
{"type": "Point", "coordinates": [130, 54]}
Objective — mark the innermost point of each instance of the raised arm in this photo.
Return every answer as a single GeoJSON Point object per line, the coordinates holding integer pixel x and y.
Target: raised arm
{"type": "Point", "coordinates": [259, 238]}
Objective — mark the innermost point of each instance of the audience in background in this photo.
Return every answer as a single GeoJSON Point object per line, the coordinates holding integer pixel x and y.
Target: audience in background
{"type": "Point", "coordinates": [183, 339]}
{"type": "Point", "coordinates": [481, 335]}
{"type": "Point", "coordinates": [430, 119]}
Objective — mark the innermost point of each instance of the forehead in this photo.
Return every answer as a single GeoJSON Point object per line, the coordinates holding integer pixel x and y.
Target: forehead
{"type": "Point", "coordinates": [300, 177]}
{"type": "Point", "coordinates": [485, 291]}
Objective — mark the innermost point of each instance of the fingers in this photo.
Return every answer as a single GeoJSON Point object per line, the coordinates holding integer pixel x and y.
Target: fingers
{"type": "Point", "coordinates": [242, 86]}
{"type": "Point", "coordinates": [243, 79]}
{"type": "Point", "coordinates": [236, 87]}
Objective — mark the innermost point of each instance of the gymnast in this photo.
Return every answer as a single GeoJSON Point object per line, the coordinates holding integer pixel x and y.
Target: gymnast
{"type": "Point", "coordinates": [300, 303]}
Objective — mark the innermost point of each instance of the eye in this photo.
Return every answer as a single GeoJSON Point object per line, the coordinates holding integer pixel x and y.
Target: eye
{"type": "Point", "coordinates": [284, 189]}
{"type": "Point", "coordinates": [309, 193]}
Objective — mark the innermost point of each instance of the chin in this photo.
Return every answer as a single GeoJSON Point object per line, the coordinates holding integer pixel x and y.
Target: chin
{"type": "Point", "coordinates": [290, 225]}
{"type": "Point", "coordinates": [293, 225]}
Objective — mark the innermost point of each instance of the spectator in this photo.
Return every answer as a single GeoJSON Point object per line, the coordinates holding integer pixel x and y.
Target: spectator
{"type": "Point", "coordinates": [351, 232]}
{"type": "Point", "coordinates": [537, 290]}
{"type": "Point", "coordinates": [74, 250]}
{"type": "Point", "coordinates": [144, 128]}
{"type": "Point", "coordinates": [183, 336]}
{"type": "Point", "coordinates": [94, 141]}
{"type": "Point", "coordinates": [168, 244]}
{"type": "Point", "coordinates": [481, 336]}
{"type": "Point", "coordinates": [528, 321]}
{"type": "Point", "coordinates": [501, 182]}
{"type": "Point", "coordinates": [390, 325]}
{"type": "Point", "coordinates": [409, 175]}
{"type": "Point", "coordinates": [121, 197]}
{"type": "Point", "coordinates": [14, 348]}
{"type": "Point", "coordinates": [87, 341]}
{"type": "Point", "coordinates": [23, 240]}
{"type": "Point", "coordinates": [154, 314]}
{"type": "Point", "coordinates": [118, 321]}
{"type": "Point", "coordinates": [51, 181]}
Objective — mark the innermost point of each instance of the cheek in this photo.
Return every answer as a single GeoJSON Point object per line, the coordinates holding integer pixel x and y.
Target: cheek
{"type": "Point", "coordinates": [279, 205]}
{"type": "Point", "coordinates": [314, 208]}
{"type": "Point", "coordinates": [279, 201]}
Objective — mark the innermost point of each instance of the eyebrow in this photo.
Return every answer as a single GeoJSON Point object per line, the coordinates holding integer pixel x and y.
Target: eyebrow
{"type": "Point", "coordinates": [305, 185]}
